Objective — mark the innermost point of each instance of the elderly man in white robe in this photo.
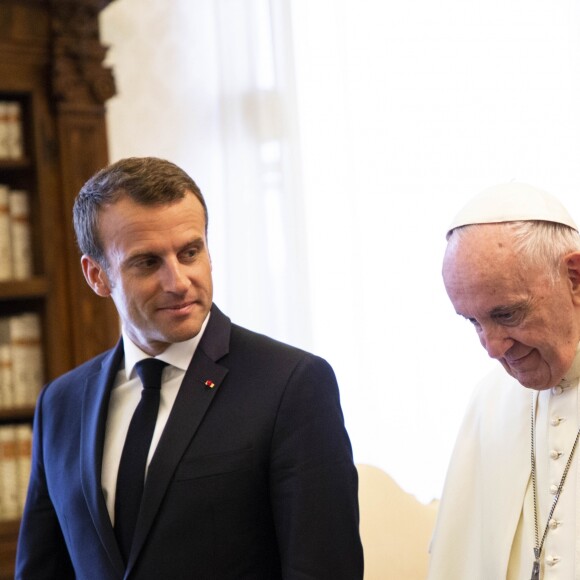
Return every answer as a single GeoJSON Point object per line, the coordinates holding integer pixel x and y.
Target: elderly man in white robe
{"type": "Point", "coordinates": [510, 507]}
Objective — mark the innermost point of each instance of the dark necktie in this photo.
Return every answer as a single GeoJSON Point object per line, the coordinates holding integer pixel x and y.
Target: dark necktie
{"type": "Point", "coordinates": [131, 477]}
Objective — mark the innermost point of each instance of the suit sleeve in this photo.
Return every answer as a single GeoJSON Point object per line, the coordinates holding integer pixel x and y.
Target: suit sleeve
{"type": "Point", "coordinates": [41, 553]}
{"type": "Point", "coordinates": [314, 483]}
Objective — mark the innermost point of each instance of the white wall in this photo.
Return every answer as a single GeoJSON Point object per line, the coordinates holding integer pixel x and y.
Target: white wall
{"type": "Point", "coordinates": [405, 110]}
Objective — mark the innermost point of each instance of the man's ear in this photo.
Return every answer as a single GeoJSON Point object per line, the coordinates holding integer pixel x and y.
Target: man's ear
{"type": "Point", "coordinates": [95, 276]}
{"type": "Point", "coordinates": [572, 265]}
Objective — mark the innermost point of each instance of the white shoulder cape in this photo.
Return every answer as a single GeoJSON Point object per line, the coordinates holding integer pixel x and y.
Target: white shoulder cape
{"type": "Point", "coordinates": [485, 485]}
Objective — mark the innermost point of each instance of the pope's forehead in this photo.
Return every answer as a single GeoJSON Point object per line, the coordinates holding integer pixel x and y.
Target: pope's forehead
{"type": "Point", "coordinates": [484, 265]}
{"type": "Point", "coordinates": [483, 242]}
{"type": "Point", "coordinates": [486, 257]}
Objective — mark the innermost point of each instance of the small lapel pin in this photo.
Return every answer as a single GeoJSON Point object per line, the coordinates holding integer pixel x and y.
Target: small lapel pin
{"type": "Point", "coordinates": [209, 384]}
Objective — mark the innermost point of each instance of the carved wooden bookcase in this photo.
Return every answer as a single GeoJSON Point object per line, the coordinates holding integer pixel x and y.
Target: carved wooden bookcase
{"type": "Point", "coordinates": [51, 63]}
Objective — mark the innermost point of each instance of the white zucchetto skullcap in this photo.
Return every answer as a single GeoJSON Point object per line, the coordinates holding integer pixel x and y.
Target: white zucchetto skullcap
{"type": "Point", "coordinates": [512, 202]}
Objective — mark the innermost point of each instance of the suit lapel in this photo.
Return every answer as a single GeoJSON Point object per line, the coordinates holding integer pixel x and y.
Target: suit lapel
{"type": "Point", "coordinates": [198, 389]}
{"type": "Point", "coordinates": [93, 422]}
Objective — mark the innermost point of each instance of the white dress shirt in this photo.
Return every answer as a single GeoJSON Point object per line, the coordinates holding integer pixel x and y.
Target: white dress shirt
{"type": "Point", "coordinates": [125, 397]}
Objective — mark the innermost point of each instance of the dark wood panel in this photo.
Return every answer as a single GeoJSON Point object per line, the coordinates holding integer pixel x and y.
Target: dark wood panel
{"type": "Point", "coordinates": [84, 150]}
{"type": "Point", "coordinates": [8, 540]}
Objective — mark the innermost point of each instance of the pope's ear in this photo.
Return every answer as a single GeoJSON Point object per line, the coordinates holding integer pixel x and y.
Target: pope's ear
{"type": "Point", "coordinates": [95, 276]}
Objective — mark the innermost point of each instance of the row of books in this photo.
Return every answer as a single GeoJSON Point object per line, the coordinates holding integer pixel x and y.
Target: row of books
{"type": "Point", "coordinates": [11, 133]}
{"type": "Point", "coordinates": [21, 360]}
{"type": "Point", "coordinates": [15, 453]}
{"type": "Point", "coordinates": [15, 234]}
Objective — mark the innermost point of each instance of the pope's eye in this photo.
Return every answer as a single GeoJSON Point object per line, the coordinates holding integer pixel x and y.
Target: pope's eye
{"type": "Point", "coordinates": [510, 317]}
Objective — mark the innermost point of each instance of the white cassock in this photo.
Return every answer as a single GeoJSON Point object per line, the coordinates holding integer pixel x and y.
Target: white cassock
{"type": "Point", "coordinates": [485, 525]}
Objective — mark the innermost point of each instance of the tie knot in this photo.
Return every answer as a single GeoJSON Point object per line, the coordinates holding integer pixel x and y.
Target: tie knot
{"type": "Point", "coordinates": [149, 371]}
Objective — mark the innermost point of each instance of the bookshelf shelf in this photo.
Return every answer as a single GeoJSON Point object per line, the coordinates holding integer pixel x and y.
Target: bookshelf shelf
{"type": "Point", "coordinates": [17, 414]}
{"type": "Point", "coordinates": [9, 165]}
{"type": "Point", "coordinates": [35, 287]}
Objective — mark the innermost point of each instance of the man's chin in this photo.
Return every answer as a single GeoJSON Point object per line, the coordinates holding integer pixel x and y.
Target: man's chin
{"type": "Point", "coordinates": [181, 333]}
{"type": "Point", "coordinates": [533, 383]}
{"type": "Point", "coordinates": [530, 380]}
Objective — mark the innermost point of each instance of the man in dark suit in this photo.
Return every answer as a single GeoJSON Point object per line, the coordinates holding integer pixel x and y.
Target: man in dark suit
{"type": "Point", "coordinates": [249, 474]}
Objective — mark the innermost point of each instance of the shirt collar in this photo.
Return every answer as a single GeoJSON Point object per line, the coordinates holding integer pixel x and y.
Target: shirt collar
{"type": "Point", "coordinates": [178, 354]}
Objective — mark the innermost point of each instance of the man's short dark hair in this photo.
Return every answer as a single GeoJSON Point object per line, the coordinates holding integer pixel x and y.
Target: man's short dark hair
{"type": "Point", "coordinates": [146, 180]}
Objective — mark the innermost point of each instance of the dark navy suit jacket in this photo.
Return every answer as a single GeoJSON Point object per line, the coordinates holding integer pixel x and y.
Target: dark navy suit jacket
{"type": "Point", "coordinates": [251, 479]}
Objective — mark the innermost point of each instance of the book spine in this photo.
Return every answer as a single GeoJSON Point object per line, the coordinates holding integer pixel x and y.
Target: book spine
{"type": "Point", "coordinates": [5, 235]}
{"type": "Point", "coordinates": [23, 436]}
{"type": "Point", "coordinates": [6, 388]}
{"type": "Point", "coordinates": [18, 204]}
{"type": "Point", "coordinates": [9, 503]}
{"type": "Point", "coordinates": [26, 351]}
{"type": "Point", "coordinates": [15, 145]}
{"type": "Point", "coordinates": [4, 130]}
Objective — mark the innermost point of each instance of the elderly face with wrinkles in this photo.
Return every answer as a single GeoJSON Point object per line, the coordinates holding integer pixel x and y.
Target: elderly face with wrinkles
{"type": "Point", "coordinates": [524, 320]}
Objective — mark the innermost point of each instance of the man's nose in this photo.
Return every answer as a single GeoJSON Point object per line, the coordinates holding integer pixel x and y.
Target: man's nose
{"type": "Point", "coordinates": [496, 340]}
{"type": "Point", "coordinates": [174, 277]}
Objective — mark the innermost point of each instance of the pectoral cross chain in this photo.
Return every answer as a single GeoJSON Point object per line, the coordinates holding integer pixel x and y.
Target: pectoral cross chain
{"type": "Point", "coordinates": [536, 570]}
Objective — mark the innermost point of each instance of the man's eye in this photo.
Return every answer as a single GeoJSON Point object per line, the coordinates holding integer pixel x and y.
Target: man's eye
{"type": "Point", "coordinates": [146, 263]}
{"type": "Point", "coordinates": [190, 254]}
{"type": "Point", "coordinates": [474, 322]}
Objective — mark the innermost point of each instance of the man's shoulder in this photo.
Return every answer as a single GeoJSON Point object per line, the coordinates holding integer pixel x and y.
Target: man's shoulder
{"type": "Point", "coordinates": [258, 339]}
{"type": "Point", "coordinates": [222, 330]}
{"type": "Point", "coordinates": [256, 342]}
{"type": "Point", "coordinates": [79, 373]}
{"type": "Point", "coordinates": [248, 347]}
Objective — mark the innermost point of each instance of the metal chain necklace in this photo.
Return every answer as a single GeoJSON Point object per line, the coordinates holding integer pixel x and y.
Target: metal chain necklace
{"type": "Point", "coordinates": [540, 543]}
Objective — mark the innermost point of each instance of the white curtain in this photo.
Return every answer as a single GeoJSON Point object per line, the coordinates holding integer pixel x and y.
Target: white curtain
{"type": "Point", "coordinates": [406, 110]}
{"type": "Point", "coordinates": [209, 84]}
{"type": "Point", "coordinates": [334, 141]}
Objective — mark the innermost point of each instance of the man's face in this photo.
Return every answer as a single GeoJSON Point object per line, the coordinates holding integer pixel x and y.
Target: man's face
{"type": "Point", "coordinates": [531, 326]}
{"type": "Point", "coordinates": [159, 270]}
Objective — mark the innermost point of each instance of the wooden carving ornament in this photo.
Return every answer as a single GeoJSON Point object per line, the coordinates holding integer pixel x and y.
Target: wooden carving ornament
{"type": "Point", "coordinates": [79, 75]}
